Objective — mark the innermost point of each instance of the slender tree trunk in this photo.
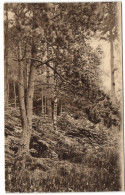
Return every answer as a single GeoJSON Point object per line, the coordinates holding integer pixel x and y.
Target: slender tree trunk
{"type": "Point", "coordinates": [14, 86]}
{"type": "Point", "coordinates": [113, 95]}
{"type": "Point", "coordinates": [8, 92]}
{"type": "Point", "coordinates": [49, 108]}
{"type": "Point", "coordinates": [49, 105]}
{"type": "Point", "coordinates": [55, 113]}
{"type": "Point", "coordinates": [30, 94]}
{"type": "Point", "coordinates": [42, 103]}
{"type": "Point", "coordinates": [55, 103]}
{"type": "Point", "coordinates": [6, 60]}
{"type": "Point", "coordinates": [61, 108]}
{"type": "Point", "coordinates": [45, 102]}
{"type": "Point", "coordinates": [22, 101]}
{"type": "Point", "coordinates": [27, 74]}
{"type": "Point", "coordinates": [6, 84]}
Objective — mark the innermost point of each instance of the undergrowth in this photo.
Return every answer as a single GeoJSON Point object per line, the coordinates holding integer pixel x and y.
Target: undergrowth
{"type": "Point", "coordinates": [81, 164]}
{"type": "Point", "coordinates": [97, 172]}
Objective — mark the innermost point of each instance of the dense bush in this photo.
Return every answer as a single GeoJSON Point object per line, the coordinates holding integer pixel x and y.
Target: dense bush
{"type": "Point", "coordinates": [65, 122]}
{"type": "Point", "coordinates": [97, 107]}
{"type": "Point", "coordinates": [104, 111]}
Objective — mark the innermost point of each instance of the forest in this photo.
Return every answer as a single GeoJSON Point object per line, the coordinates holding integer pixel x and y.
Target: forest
{"type": "Point", "coordinates": [63, 124]}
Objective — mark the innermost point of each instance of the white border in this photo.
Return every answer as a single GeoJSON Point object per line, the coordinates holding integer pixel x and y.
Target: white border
{"type": "Point", "coordinates": [2, 183]}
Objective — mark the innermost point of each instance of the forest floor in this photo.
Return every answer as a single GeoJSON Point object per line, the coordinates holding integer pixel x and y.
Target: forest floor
{"type": "Point", "coordinates": [79, 156]}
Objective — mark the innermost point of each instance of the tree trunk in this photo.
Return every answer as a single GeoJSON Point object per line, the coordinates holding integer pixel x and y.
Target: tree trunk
{"type": "Point", "coordinates": [55, 103]}
{"type": "Point", "coordinates": [8, 92]}
{"type": "Point", "coordinates": [25, 140]}
{"type": "Point", "coordinates": [49, 107]}
{"type": "Point", "coordinates": [26, 107]}
{"type": "Point", "coordinates": [61, 108]}
{"type": "Point", "coordinates": [30, 93]}
{"type": "Point", "coordinates": [27, 74]}
{"type": "Point", "coordinates": [55, 113]}
{"type": "Point", "coordinates": [6, 60]}
{"type": "Point", "coordinates": [42, 102]}
{"type": "Point", "coordinates": [45, 102]}
{"type": "Point", "coordinates": [113, 95]}
{"type": "Point", "coordinates": [14, 86]}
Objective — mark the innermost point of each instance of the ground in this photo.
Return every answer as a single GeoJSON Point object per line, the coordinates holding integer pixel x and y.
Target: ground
{"type": "Point", "coordinates": [80, 156]}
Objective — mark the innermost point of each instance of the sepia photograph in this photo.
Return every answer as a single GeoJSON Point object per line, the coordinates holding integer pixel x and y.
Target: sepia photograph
{"type": "Point", "coordinates": [63, 97]}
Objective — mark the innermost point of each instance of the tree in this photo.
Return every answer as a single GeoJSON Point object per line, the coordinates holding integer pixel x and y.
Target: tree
{"type": "Point", "coordinates": [109, 31]}
{"type": "Point", "coordinates": [25, 96]}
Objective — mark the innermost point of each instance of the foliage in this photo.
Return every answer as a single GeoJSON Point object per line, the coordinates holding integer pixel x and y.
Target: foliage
{"type": "Point", "coordinates": [96, 105]}
{"type": "Point", "coordinates": [110, 20]}
{"type": "Point", "coordinates": [103, 110]}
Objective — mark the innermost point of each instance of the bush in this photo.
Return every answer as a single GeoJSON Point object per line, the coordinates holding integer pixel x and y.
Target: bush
{"type": "Point", "coordinates": [65, 122]}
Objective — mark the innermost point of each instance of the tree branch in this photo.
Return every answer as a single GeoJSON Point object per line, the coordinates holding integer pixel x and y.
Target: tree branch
{"type": "Point", "coordinates": [59, 75]}
{"type": "Point", "coordinates": [47, 64]}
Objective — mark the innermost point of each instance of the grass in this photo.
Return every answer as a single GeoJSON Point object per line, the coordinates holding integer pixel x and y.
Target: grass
{"type": "Point", "coordinates": [79, 166]}
{"type": "Point", "coordinates": [97, 172]}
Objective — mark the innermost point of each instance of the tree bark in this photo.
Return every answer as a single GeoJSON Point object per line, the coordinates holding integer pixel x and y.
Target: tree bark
{"type": "Point", "coordinates": [42, 102]}
{"type": "Point", "coordinates": [55, 103]}
{"type": "Point", "coordinates": [61, 108]}
{"type": "Point", "coordinates": [30, 93]}
{"type": "Point", "coordinates": [14, 86]}
{"type": "Point", "coordinates": [8, 92]}
{"type": "Point", "coordinates": [113, 95]}
{"type": "Point", "coordinates": [55, 112]}
{"type": "Point", "coordinates": [25, 140]}
{"type": "Point", "coordinates": [45, 102]}
{"type": "Point", "coordinates": [26, 107]}
{"type": "Point", "coordinates": [49, 105]}
{"type": "Point", "coordinates": [6, 60]}
{"type": "Point", "coordinates": [49, 108]}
